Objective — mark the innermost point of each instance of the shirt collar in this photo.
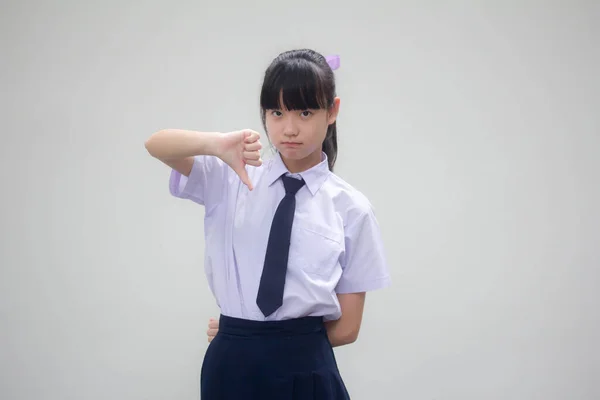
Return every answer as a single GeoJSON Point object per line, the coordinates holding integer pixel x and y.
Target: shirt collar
{"type": "Point", "coordinates": [313, 177]}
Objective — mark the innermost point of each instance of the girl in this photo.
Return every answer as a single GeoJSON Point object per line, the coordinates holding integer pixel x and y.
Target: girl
{"type": "Point", "coordinates": [291, 248]}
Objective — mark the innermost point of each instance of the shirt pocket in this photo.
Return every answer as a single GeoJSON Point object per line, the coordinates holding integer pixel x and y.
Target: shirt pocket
{"type": "Point", "coordinates": [314, 249]}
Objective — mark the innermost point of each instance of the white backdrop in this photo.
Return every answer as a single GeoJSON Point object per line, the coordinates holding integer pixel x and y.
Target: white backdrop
{"type": "Point", "coordinates": [473, 129]}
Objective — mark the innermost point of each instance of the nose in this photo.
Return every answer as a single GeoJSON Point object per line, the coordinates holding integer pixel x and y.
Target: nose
{"type": "Point", "coordinates": [290, 129]}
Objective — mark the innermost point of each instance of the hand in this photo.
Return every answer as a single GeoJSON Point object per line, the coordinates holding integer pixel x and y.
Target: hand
{"type": "Point", "coordinates": [239, 148]}
{"type": "Point", "coordinates": [213, 328]}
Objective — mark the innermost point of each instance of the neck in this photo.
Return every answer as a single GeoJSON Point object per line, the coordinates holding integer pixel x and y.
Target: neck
{"type": "Point", "coordinates": [297, 166]}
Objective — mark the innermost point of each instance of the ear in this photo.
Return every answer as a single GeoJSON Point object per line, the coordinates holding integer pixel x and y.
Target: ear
{"type": "Point", "coordinates": [334, 110]}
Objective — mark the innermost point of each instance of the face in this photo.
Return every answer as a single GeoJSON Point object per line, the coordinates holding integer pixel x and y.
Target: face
{"type": "Point", "coordinates": [299, 134]}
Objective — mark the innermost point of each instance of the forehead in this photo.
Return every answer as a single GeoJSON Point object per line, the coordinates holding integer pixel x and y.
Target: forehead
{"type": "Point", "coordinates": [294, 100]}
{"type": "Point", "coordinates": [294, 89]}
{"type": "Point", "coordinates": [283, 107]}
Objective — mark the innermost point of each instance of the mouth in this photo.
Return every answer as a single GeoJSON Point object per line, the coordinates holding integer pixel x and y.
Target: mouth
{"type": "Point", "coordinates": [293, 144]}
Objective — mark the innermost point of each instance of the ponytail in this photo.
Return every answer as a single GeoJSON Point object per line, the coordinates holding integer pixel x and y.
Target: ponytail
{"type": "Point", "coordinates": [330, 145]}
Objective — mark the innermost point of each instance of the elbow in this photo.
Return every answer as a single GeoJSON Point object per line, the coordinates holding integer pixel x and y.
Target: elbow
{"type": "Point", "coordinates": [148, 146]}
{"type": "Point", "coordinates": [151, 144]}
{"type": "Point", "coordinates": [346, 337]}
{"type": "Point", "coordinates": [351, 337]}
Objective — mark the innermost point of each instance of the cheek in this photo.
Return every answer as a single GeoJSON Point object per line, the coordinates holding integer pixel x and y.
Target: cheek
{"type": "Point", "coordinates": [322, 124]}
{"type": "Point", "coordinates": [271, 128]}
{"type": "Point", "coordinates": [320, 130]}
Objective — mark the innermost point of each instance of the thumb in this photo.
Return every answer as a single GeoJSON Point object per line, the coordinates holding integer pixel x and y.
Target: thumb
{"type": "Point", "coordinates": [243, 174]}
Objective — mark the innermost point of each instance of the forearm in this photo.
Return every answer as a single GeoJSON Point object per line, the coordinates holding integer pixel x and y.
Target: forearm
{"type": "Point", "coordinates": [174, 144]}
{"type": "Point", "coordinates": [345, 329]}
{"type": "Point", "coordinates": [338, 335]}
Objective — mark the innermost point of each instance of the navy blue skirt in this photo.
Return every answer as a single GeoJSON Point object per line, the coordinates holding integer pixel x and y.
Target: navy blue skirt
{"type": "Point", "coordinates": [282, 360]}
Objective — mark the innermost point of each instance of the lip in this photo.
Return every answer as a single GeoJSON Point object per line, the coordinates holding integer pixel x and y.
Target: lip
{"type": "Point", "coordinates": [291, 144]}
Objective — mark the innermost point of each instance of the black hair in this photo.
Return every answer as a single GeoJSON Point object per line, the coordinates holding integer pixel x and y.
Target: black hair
{"type": "Point", "coordinates": [307, 82]}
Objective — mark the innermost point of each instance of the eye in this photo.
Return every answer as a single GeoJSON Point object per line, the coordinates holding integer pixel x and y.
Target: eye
{"type": "Point", "coordinates": [305, 113]}
{"type": "Point", "coordinates": [276, 113]}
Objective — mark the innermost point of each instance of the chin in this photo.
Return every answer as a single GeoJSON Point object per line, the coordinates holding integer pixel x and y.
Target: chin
{"type": "Point", "coordinates": [293, 154]}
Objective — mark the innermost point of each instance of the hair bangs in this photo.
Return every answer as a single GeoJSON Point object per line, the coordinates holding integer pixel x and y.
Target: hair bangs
{"type": "Point", "coordinates": [293, 85]}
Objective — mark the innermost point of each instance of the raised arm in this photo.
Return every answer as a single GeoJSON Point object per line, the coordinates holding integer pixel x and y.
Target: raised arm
{"type": "Point", "coordinates": [178, 147]}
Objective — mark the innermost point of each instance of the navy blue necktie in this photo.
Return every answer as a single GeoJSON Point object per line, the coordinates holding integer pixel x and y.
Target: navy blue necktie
{"type": "Point", "coordinates": [270, 291]}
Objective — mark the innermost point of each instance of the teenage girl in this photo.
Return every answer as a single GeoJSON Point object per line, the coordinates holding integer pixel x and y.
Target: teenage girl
{"type": "Point", "coordinates": [290, 247]}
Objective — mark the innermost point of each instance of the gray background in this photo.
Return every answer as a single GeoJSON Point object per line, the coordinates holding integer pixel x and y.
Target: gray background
{"type": "Point", "coordinates": [472, 128]}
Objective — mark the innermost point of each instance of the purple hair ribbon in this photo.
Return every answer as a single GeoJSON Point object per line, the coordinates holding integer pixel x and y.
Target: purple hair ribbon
{"type": "Point", "coordinates": [333, 61]}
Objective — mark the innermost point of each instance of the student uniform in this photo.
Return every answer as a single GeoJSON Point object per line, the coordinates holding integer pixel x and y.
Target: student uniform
{"type": "Point", "coordinates": [335, 247]}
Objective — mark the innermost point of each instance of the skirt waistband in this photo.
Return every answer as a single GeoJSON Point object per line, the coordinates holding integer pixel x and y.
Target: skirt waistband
{"type": "Point", "coordinates": [246, 327]}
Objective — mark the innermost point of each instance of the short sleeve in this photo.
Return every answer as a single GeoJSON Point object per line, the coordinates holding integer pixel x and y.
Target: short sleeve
{"type": "Point", "coordinates": [206, 183]}
{"type": "Point", "coordinates": [364, 265]}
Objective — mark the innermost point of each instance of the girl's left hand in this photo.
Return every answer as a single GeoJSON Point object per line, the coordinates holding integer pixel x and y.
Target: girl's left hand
{"type": "Point", "coordinates": [213, 328]}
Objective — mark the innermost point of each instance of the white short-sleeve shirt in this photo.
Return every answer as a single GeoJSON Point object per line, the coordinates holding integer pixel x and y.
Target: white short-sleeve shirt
{"type": "Point", "coordinates": [336, 245]}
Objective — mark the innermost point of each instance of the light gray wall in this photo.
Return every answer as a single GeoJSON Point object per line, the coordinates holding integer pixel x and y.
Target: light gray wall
{"type": "Point", "coordinates": [474, 130]}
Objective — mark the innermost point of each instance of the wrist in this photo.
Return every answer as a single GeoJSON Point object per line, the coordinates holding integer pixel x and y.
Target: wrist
{"type": "Point", "coordinates": [214, 144]}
